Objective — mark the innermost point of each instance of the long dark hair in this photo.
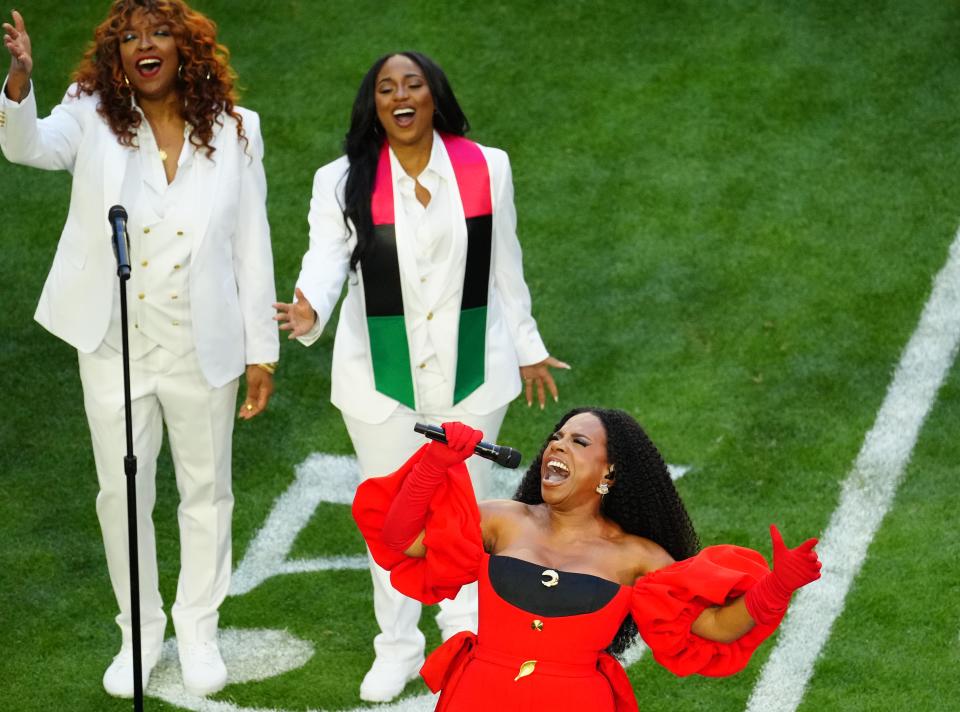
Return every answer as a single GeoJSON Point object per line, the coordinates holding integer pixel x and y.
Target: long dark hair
{"type": "Point", "coordinates": [643, 499]}
{"type": "Point", "coordinates": [366, 136]}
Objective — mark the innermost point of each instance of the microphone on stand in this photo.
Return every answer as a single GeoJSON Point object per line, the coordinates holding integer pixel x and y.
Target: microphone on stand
{"type": "Point", "coordinates": [118, 221]}
{"type": "Point", "coordinates": [500, 454]}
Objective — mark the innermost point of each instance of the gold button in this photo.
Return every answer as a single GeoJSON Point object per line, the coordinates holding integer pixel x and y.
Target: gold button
{"type": "Point", "coordinates": [423, 365]}
{"type": "Point", "coordinates": [422, 280]}
{"type": "Point", "coordinates": [173, 296]}
{"type": "Point", "coordinates": [179, 233]}
{"type": "Point", "coordinates": [136, 326]}
{"type": "Point", "coordinates": [537, 624]}
{"type": "Point", "coordinates": [141, 295]}
{"type": "Point", "coordinates": [144, 263]}
{"type": "Point", "coordinates": [175, 323]}
{"type": "Point", "coordinates": [176, 266]}
{"type": "Point", "coordinates": [429, 316]}
{"type": "Point", "coordinates": [146, 231]}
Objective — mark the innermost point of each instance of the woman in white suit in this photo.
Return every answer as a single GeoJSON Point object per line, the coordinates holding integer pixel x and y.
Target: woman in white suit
{"type": "Point", "coordinates": [436, 324]}
{"type": "Point", "coordinates": [150, 124]}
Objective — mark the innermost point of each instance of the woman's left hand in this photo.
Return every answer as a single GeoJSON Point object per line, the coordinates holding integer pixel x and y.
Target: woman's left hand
{"type": "Point", "coordinates": [794, 568]}
{"type": "Point", "coordinates": [538, 374]}
{"type": "Point", "coordinates": [259, 390]}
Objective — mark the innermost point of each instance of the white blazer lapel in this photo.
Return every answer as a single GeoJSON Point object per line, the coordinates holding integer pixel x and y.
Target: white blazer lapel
{"type": "Point", "coordinates": [120, 169]}
{"type": "Point", "coordinates": [207, 179]}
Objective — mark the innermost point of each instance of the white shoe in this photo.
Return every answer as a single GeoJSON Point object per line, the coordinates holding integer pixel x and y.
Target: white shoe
{"type": "Point", "coordinates": [118, 678]}
{"type": "Point", "coordinates": [386, 679]}
{"type": "Point", "coordinates": [202, 668]}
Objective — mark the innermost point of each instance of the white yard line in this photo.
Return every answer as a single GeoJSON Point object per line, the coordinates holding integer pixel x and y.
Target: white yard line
{"type": "Point", "coordinates": [866, 495]}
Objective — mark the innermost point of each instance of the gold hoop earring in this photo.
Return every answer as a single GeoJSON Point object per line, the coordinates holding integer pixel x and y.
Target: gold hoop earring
{"type": "Point", "coordinates": [180, 71]}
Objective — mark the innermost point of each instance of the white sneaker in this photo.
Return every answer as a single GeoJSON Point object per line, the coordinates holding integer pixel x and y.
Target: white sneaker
{"type": "Point", "coordinates": [118, 678]}
{"type": "Point", "coordinates": [202, 668]}
{"type": "Point", "coordinates": [386, 679]}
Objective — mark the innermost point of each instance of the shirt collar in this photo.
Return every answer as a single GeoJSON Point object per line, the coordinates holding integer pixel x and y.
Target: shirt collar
{"type": "Point", "coordinates": [438, 168]}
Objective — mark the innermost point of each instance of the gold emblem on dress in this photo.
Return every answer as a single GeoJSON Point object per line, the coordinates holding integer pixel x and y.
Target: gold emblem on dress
{"type": "Point", "coordinates": [526, 669]}
{"type": "Point", "coordinates": [537, 624]}
{"type": "Point", "coordinates": [550, 578]}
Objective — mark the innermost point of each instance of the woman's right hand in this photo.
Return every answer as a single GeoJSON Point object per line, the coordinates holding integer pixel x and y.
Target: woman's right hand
{"type": "Point", "coordinates": [298, 318]}
{"type": "Point", "coordinates": [17, 42]}
{"type": "Point", "coordinates": [461, 441]}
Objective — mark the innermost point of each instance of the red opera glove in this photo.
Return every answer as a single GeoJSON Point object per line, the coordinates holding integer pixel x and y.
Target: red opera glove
{"type": "Point", "coordinates": [792, 568]}
{"type": "Point", "coordinates": [408, 512]}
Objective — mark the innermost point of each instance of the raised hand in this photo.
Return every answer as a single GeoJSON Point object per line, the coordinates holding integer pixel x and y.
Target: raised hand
{"type": "Point", "coordinates": [297, 318]}
{"type": "Point", "coordinates": [408, 512]}
{"type": "Point", "coordinates": [537, 375]}
{"type": "Point", "coordinates": [461, 440]}
{"type": "Point", "coordinates": [17, 42]}
{"type": "Point", "coordinates": [792, 568]}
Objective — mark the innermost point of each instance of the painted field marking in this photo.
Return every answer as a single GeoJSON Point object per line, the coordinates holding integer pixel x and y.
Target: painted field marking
{"type": "Point", "coordinates": [867, 493]}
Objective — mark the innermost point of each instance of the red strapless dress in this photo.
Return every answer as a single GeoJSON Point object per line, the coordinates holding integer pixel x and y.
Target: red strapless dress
{"type": "Point", "coordinates": [521, 659]}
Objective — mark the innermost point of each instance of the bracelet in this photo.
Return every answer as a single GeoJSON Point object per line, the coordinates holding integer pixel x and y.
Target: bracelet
{"type": "Point", "coordinates": [270, 368]}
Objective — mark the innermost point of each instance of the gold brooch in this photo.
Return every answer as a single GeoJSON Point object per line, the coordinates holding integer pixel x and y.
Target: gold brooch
{"type": "Point", "coordinates": [526, 669]}
{"type": "Point", "coordinates": [537, 624]}
{"type": "Point", "coordinates": [550, 578]}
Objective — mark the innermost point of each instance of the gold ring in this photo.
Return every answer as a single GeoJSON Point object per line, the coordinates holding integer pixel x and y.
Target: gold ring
{"type": "Point", "coordinates": [249, 407]}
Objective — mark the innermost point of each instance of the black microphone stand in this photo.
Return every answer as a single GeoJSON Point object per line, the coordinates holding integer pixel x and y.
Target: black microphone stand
{"type": "Point", "coordinates": [130, 470]}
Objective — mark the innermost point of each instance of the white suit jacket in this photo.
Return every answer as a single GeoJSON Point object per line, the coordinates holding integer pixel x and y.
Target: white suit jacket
{"type": "Point", "coordinates": [512, 338]}
{"type": "Point", "coordinates": [231, 272]}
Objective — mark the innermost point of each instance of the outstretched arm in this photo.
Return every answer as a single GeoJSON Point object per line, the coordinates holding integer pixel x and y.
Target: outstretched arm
{"type": "Point", "coordinates": [766, 602]}
{"type": "Point", "coordinates": [17, 42]}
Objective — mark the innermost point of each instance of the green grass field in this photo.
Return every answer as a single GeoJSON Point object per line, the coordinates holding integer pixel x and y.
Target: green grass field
{"type": "Point", "coordinates": [731, 214]}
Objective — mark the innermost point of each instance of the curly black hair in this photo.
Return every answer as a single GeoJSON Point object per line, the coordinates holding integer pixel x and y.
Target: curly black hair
{"type": "Point", "coordinates": [643, 500]}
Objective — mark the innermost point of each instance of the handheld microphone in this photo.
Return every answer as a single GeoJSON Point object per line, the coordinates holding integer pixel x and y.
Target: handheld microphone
{"type": "Point", "coordinates": [500, 454]}
{"type": "Point", "coordinates": [118, 221]}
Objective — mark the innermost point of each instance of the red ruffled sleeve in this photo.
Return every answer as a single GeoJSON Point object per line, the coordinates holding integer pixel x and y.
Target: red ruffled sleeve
{"type": "Point", "coordinates": [453, 540]}
{"type": "Point", "coordinates": [666, 602]}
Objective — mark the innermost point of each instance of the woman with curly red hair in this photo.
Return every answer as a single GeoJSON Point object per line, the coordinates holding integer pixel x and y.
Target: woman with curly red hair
{"type": "Point", "coordinates": [151, 123]}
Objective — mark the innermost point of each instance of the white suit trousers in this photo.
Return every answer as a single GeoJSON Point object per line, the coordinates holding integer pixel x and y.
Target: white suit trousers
{"type": "Point", "coordinates": [165, 390]}
{"type": "Point", "coordinates": [381, 449]}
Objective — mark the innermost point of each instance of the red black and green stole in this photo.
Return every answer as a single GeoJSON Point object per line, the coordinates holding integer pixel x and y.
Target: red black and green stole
{"type": "Point", "coordinates": [380, 268]}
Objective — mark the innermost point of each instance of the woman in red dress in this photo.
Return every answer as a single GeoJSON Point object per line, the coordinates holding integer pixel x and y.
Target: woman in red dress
{"type": "Point", "coordinates": [596, 545]}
